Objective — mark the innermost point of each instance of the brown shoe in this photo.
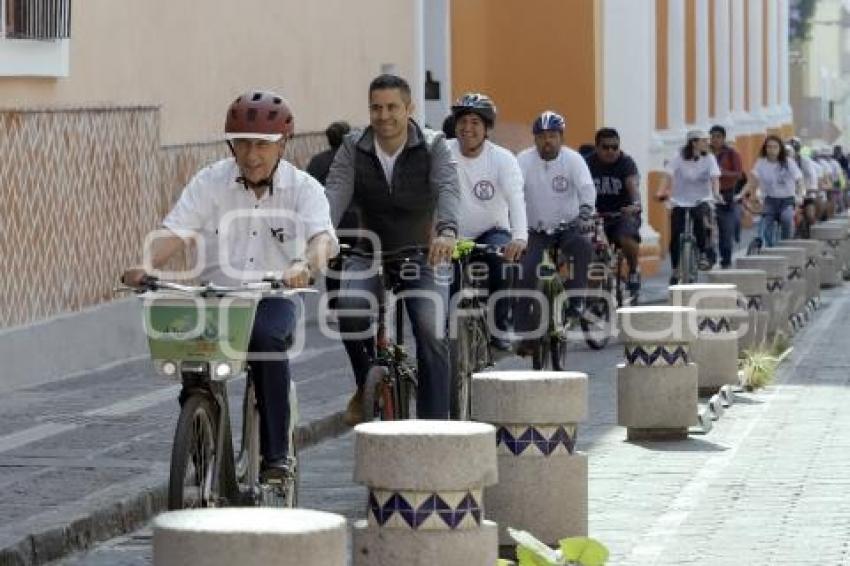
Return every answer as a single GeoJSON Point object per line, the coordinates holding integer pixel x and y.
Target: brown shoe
{"type": "Point", "coordinates": [354, 411]}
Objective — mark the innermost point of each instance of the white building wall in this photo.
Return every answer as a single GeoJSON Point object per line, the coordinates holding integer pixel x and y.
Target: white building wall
{"type": "Point", "coordinates": [629, 79]}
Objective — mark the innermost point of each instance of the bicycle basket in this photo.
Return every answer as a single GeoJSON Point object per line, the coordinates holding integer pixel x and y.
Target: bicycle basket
{"type": "Point", "coordinates": [182, 329]}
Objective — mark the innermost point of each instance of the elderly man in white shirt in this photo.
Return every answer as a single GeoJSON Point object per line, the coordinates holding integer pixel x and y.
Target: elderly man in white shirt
{"type": "Point", "coordinates": [251, 215]}
{"type": "Point", "coordinates": [492, 207]}
{"type": "Point", "coordinates": [558, 189]}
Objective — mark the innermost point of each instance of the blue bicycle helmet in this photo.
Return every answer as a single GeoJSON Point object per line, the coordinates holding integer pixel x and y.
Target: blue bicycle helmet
{"type": "Point", "coordinates": [548, 121]}
{"type": "Point", "coordinates": [475, 103]}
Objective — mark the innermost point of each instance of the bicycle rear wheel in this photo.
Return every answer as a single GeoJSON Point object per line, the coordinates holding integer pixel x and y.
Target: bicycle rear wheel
{"type": "Point", "coordinates": [379, 399]}
{"type": "Point", "coordinates": [194, 480]}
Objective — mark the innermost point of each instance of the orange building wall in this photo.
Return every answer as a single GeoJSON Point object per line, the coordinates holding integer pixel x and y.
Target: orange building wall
{"type": "Point", "coordinates": [690, 61]}
{"type": "Point", "coordinates": [530, 60]}
{"type": "Point", "coordinates": [661, 19]}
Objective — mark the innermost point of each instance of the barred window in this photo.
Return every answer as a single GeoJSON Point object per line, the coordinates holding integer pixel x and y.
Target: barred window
{"type": "Point", "coordinates": [37, 19]}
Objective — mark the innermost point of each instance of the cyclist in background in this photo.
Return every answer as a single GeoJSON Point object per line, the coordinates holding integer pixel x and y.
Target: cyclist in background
{"type": "Point", "coordinates": [731, 171]}
{"type": "Point", "coordinates": [558, 189]}
{"type": "Point", "coordinates": [692, 186]}
{"type": "Point", "coordinates": [618, 190]}
{"type": "Point", "coordinates": [492, 207]}
{"type": "Point", "coordinates": [780, 181]}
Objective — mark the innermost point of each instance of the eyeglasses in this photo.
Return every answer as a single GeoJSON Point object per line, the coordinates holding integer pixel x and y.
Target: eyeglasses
{"type": "Point", "coordinates": [609, 147]}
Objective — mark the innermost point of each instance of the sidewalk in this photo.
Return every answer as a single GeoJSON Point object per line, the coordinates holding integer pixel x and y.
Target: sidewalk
{"type": "Point", "coordinates": [766, 486]}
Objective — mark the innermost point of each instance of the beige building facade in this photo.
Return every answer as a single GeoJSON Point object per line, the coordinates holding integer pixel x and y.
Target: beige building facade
{"type": "Point", "coordinates": [100, 131]}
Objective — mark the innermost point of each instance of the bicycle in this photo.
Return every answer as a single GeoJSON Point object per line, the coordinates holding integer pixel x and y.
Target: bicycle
{"type": "Point", "coordinates": [391, 380]}
{"type": "Point", "coordinates": [186, 328]}
{"type": "Point", "coordinates": [470, 351]}
{"type": "Point", "coordinates": [610, 260]}
{"type": "Point", "coordinates": [550, 349]}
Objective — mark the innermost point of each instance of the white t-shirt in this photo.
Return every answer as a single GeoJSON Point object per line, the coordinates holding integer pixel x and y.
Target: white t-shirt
{"type": "Point", "coordinates": [554, 190]}
{"type": "Point", "coordinates": [244, 238]}
{"type": "Point", "coordinates": [388, 161]}
{"type": "Point", "coordinates": [490, 192]}
{"type": "Point", "coordinates": [776, 180]}
{"type": "Point", "coordinates": [811, 173]}
{"type": "Point", "coordinates": [692, 179]}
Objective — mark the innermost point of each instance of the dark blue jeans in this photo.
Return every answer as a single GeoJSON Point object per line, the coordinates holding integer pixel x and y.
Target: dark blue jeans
{"type": "Point", "coordinates": [575, 249]}
{"type": "Point", "coordinates": [727, 217]}
{"type": "Point", "coordinates": [274, 324]}
{"type": "Point", "coordinates": [426, 301]}
{"type": "Point", "coordinates": [779, 210]}
{"type": "Point", "coordinates": [497, 279]}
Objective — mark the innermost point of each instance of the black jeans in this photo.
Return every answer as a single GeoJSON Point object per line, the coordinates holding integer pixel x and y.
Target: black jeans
{"type": "Point", "coordinates": [701, 218]}
{"type": "Point", "coordinates": [274, 324]}
{"type": "Point", "coordinates": [727, 217]}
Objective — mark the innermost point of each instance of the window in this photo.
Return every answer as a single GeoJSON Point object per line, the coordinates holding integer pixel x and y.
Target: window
{"type": "Point", "coordinates": [35, 38]}
{"type": "Point", "coordinates": [36, 19]}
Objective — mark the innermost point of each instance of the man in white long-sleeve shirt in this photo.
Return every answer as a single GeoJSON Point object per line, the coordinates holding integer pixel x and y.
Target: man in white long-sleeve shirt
{"type": "Point", "coordinates": [558, 188]}
{"type": "Point", "coordinates": [492, 207]}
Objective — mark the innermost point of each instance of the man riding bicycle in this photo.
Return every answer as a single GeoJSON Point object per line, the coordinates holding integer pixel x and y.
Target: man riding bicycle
{"type": "Point", "coordinates": [404, 182]}
{"type": "Point", "coordinates": [618, 192]}
{"type": "Point", "coordinates": [254, 214]}
{"type": "Point", "coordinates": [492, 206]}
{"type": "Point", "coordinates": [559, 191]}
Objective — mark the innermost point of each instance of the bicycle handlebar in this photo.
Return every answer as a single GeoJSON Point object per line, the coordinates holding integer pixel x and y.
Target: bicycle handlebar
{"type": "Point", "coordinates": [269, 285]}
{"type": "Point", "coordinates": [407, 253]}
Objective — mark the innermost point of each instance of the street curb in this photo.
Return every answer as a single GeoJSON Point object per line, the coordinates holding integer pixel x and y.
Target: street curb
{"type": "Point", "coordinates": [130, 513]}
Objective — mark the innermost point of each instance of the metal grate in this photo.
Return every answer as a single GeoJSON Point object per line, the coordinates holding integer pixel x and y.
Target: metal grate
{"type": "Point", "coordinates": [38, 19]}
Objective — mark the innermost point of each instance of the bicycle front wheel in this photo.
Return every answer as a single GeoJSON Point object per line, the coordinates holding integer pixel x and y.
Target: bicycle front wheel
{"type": "Point", "coordinates": [459, 396]}
{"type": "Point", "coordinates": [193, 481]}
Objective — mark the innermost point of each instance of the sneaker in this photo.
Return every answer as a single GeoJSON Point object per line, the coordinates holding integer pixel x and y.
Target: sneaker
{"type": "Point", "coordinates": [633, 282]}
{"type": "Point", "coordinates": [674, 280]}
{"type": "Point", "coordinates": [275, 471]}
{"type": "Point", "coordinates": [354, 411]}
{"type": "Point", "coordinates": [705, 263]}
{"type": "Point", "coordinates": [500, 344]}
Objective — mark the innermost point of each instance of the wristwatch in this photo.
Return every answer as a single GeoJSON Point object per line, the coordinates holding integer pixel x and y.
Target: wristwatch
{"type": "Point", "coordinates": [448, 233]}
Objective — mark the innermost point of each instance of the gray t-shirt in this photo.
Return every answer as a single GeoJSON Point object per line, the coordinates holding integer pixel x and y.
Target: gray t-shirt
{"type": "Point", "coordinates": [692, 179]}
{"type": "Point", "coordinates": [775, 179]}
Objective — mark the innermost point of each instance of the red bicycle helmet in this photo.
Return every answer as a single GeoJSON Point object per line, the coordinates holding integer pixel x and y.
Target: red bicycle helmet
{"type": "Point", "coordinates": [259, 115]}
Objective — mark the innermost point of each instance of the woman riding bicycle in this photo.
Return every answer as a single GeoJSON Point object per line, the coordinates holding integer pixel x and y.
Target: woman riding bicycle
{"type": "Point", "coordinates": [692, 185]}
{"type": "Point", "coordinates": [781, 183]}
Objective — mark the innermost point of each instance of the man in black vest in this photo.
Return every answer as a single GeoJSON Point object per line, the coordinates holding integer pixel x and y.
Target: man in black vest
{"type": "Point", "coordinates": [404, 182]}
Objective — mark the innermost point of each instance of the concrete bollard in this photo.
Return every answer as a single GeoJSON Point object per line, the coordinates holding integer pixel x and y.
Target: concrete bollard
{"type": "Point", "coordinates": [542, 485]}
{"type": "Point", "coordinates": [657, 384]}
{"type": "Point", "coordinates": [814, 251]}
{"type": "Point", "coordinates": [250, 536]}
{"type": "Point", "coordinates": [776, 285]}
{"type": "Point", "coordinates": [796, 258]}
{"type": "Point", "coordinates": [832, 260]}
{"type": "Point", "coordinates": [843, 243]}
{"type": "Point", "coordinates": [752, 288]}
{"type": "Point", "coordinates": [715, 350]}
{"type": "Point", "coordinates": [426, 481]}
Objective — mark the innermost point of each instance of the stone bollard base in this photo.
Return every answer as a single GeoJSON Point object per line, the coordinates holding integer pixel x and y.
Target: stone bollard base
{"type": "Point", "coordinates": [376, 546]}
{"type": "Point", "coordinates": [551, 513]}
{"type": "Point", "coordinates": [652, 434]}
{"type": "Point", "coordinates": [657, 397]}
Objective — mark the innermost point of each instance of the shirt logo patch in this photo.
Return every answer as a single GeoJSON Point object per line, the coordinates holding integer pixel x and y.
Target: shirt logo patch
{"type": "Point", "coordinates": [560, 184]}
{"type": "Point", "coordinates": [278, 234]}
{"type": "Point", "coordinates": [484, 190]}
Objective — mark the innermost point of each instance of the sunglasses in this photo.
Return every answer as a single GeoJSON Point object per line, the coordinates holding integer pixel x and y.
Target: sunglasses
{"type": "Point", "coordinates": [609, 146]}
